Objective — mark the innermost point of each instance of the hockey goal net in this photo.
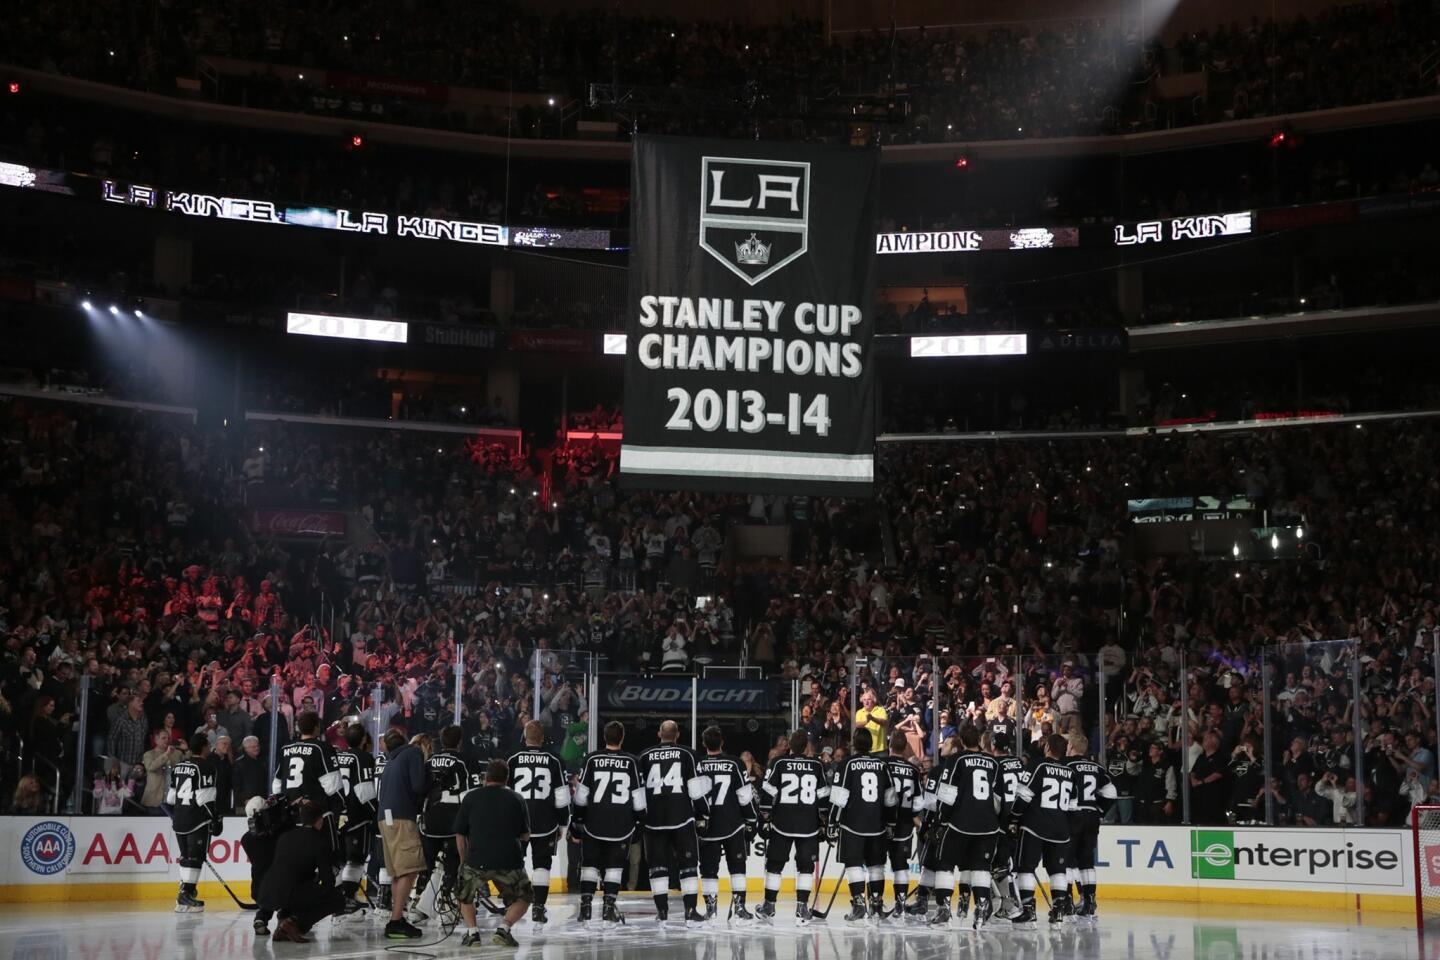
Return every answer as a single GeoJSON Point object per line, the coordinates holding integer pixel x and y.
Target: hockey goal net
{"type": "Point", "coordinates": [1425, 825]}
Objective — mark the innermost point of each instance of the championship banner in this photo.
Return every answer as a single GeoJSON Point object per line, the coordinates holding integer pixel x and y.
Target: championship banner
{"type": "Point", "coordinates": [749, 366]}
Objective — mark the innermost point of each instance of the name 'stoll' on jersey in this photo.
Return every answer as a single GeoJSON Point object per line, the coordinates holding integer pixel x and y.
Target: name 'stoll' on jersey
{"type": "Point", "coordinates": [539, 779]}
{"type": "Point", "coordinates": [909, 797]}
{"type": "Point", "coordinates": [793, 790]}
{"type": "Point", "coordinates": [610, 795]}
{"type": "Point", "coordinates": [191, 795]}
{"type": "Point", "coordinates": [1094, 790]}
{"type": "Point", "coordinates": [306, 768]}
{"type": "Point", "coordinates": [1046, 800]}
{"type": "Point", "coordinates": [970, 794]}
{"type": "Point", "coordinates": [361, 783]}
{"type": "Point", "coordinates": [450, 779]}
{"type": "Point", "coordinates": [732, 800]}
{"type": "Point", "coordinates": [675, 793]}
{"type": "Point", "coordinates": [863, 796]}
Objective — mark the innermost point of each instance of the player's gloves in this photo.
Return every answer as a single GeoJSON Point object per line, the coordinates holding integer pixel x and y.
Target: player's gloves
{"type": "Point", "coordinates": [217, 827]}
{"type": "Point", "coordinates": [832, 832]}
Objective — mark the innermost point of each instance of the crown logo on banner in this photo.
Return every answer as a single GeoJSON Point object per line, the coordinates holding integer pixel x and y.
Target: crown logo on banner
{"type": "Point", "coordinates": [752, 251]}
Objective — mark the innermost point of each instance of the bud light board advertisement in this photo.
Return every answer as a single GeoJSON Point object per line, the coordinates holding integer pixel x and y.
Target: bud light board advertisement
{"type": "Point", "coordinates": [750, 324]}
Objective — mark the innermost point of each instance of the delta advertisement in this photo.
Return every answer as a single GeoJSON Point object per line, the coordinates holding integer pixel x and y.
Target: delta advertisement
{"type": "Point", "coordinates": [135, 856]}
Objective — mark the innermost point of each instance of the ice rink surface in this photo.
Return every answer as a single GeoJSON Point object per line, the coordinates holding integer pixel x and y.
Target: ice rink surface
{"type": "Point", "coordinates": [1125, 931]}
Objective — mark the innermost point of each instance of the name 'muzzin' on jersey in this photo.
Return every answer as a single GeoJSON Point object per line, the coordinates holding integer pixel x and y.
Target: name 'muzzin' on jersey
{"type": "Point", "coordinates": [539, 779]}
{"type": "Point", "coordinates": [970, 794]}
{"type": "Point", "coordinates": [732, 800]}
{"type": "Point", "coordinates": [675, 794]}
{"type": "Point", "coordinates": [610, 795]}
{"type": "Point", "coordinates": [792, 794]}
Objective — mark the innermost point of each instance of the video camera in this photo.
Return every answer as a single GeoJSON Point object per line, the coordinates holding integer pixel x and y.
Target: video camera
{"type": "Point", "coordinates": [272, 818]}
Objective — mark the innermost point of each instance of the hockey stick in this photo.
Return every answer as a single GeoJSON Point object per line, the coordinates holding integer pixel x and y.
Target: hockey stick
{"type": "Point", "coordinates": [238, 902]}
{"type": "Point", "coordinates": [824, 914]}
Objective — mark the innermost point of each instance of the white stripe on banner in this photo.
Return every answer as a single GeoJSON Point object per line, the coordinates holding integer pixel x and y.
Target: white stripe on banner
{"type": "Point", "coordinates": [703, 462]}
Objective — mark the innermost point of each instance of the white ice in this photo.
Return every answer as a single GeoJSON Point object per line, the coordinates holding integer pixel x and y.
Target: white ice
{"type": "Point", "coordinates": [148, 931]}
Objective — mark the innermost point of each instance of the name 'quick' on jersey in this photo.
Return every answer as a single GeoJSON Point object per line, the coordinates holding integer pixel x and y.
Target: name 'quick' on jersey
{"type": "Point", "coordinates": [970, 793]}
{"type": "Point", "coordinates": [191, 796]}
{"type": "Point", "coordinates": [450, 780]}
{"type": "Point", "coordinates": [675, 794]}
{"type": "Point", "coordinates": [306, 768]}
{"type": "Point", "coordinates": [539, 779]}
{"type": "Point", "coordinates": [732, 800]}
{"type": "Point", "coordinates": [609, 801]}
{"type": "Point", "coordinates": [1046, 798]}
{"type": "Point", "coordinates": [910, 798]}
{"type": "Point", "coordinates": [792, 793]}
{"type": "Point", "coordinates": [863, 797]}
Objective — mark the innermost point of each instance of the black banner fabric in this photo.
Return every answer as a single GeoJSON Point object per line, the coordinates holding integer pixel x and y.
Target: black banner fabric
{"type": "Point", "coordinates": [748, 367]}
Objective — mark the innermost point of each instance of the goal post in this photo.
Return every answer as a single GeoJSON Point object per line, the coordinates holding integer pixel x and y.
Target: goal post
{"type": "Point", "coordinates": [1425, 829]}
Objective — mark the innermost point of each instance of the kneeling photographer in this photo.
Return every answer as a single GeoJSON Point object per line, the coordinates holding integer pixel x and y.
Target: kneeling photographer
{"type": "Point", "coordinates": [300, 883]}
{"type": "Point", "coordinates": [265, 820]}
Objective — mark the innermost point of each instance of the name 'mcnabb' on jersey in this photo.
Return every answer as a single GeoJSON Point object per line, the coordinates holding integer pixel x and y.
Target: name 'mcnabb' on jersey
{"type": "Point", "coordinates": [307, 770]}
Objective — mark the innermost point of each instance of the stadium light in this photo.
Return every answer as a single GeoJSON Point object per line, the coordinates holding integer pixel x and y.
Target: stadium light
{"type": "Point", "coordinates": [14, 86]}
{"type": "Point", "coordinates": [962, 162]}
{"type": "Point", "coordinates": [356, 141]}
{"type": "Point", "coordinates": [138, 314]}
{"type": "Point", "coordinates": [114, 310]}
{"type": "Point", "coordinates": [550, 101]}
{"type": "Point", "coordinates": [1299, 533]}
{"type": "Point", "coordinates": [85, 305]}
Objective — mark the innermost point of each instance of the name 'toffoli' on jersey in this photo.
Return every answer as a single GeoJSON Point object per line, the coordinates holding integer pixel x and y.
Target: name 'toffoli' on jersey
{"type": "Point", "coordinates": [539, 779]}
{"type": "Point", "coordinates": [793, 790]}
{"type": "Point", "coordinates": [610, 795]}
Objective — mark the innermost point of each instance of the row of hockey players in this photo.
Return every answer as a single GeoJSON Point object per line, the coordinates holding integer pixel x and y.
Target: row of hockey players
{"type": "Point", "coordinates": [977, 814]}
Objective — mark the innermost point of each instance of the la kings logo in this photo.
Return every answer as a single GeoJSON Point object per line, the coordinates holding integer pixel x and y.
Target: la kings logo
{"type": "Point", "coordinates": [754, 214]}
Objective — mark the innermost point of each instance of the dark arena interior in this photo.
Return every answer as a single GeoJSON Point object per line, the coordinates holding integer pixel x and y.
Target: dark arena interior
{"type": "Point", "coordinates": [807, 480]}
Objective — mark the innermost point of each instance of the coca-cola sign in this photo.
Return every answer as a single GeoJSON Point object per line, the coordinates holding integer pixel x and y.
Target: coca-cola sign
{"type": "Point", "coordinates": [298, 523]}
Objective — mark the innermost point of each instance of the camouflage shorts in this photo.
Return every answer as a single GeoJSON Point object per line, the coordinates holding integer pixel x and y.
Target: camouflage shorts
{"type": "Point", "coordinates": [512, 884]}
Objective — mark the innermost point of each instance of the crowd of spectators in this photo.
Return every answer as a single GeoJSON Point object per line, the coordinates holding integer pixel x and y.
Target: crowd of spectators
{"type": "Point", "coordinates": [1015, 598]}
{"type": "Point", "coordinates": [1070, 78]}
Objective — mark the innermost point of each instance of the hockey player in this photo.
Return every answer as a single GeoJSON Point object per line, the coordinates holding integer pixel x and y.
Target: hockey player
{"type": "Point", "coordinates": [862, 801]}
{"type": "Point", "coordinates": [357, 770]}
{"type": "Point", "coordinates": [910, 803]}
{"type": "Point", "coordinates": [194, 817]}
{"type": "Point", "coordinates": [930, 833]}
{"type": "Point", "coordinates": [731, 821]}
{"type": "Point", "coordinates": [969, 800]}
{"type": "Point", "coordinates": [609, 805]}
{"type": "Point", "coordinates": [792, 795]}
{"type": "Point", "coordinates": [1012, 769]}
{"type": "Point", "coordinates": [450, 779]}
{"type": "Point", "coordinates": [377, 888]}
{"type": "Point", "coordinates": [676, 797]}
{"type": "Point", "coordinates": [537, 776]}
{"type": "Point", "coordinates": [1095, 793]}
{"type": "Point", "coordinates": [1045, 799]}
{"type": "Point", "coordinates": [306, 770]}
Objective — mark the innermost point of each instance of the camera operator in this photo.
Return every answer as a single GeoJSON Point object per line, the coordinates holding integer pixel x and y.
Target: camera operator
{"type": "Point", "coordinates": [265, 821]}
{"type": "Point", "coordinates": [491, 831]}
{"type": "Point", "coordinates": [300, 884]}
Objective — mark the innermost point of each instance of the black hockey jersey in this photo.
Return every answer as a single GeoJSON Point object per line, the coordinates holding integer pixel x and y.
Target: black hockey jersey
{"type": "Point", "coordinates": [361, 784]}
{"type": "Point", "coordinates": [191, 796]}
{"type": "Point", "coordinates": [862, 796]}
{"type": "Point", "coordinates": [306, 770]}
{"type": "Point", "coordinates": [609, 795]}
{"type": "Point", "coordinates": [539, 779]}
{"type": "Point", "coordinates": [675, 793]}
{"type": "Point", "coordinates": [732, 800]}
{"type": "Point", "coordinates": [1046, 798]}
{"type": "Point", "coordinates": [909, 797]}
{"type": "Point", "coordinates": [970, 794]}
{"type": "Point", "coordinates": [792, 794]}
{"type": "Point", "coordinates": [1012, 771]}
{"type": "Point", "coordinates": [1094, 791]}
{"type": "Point", "coordinates": [450, 780]}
